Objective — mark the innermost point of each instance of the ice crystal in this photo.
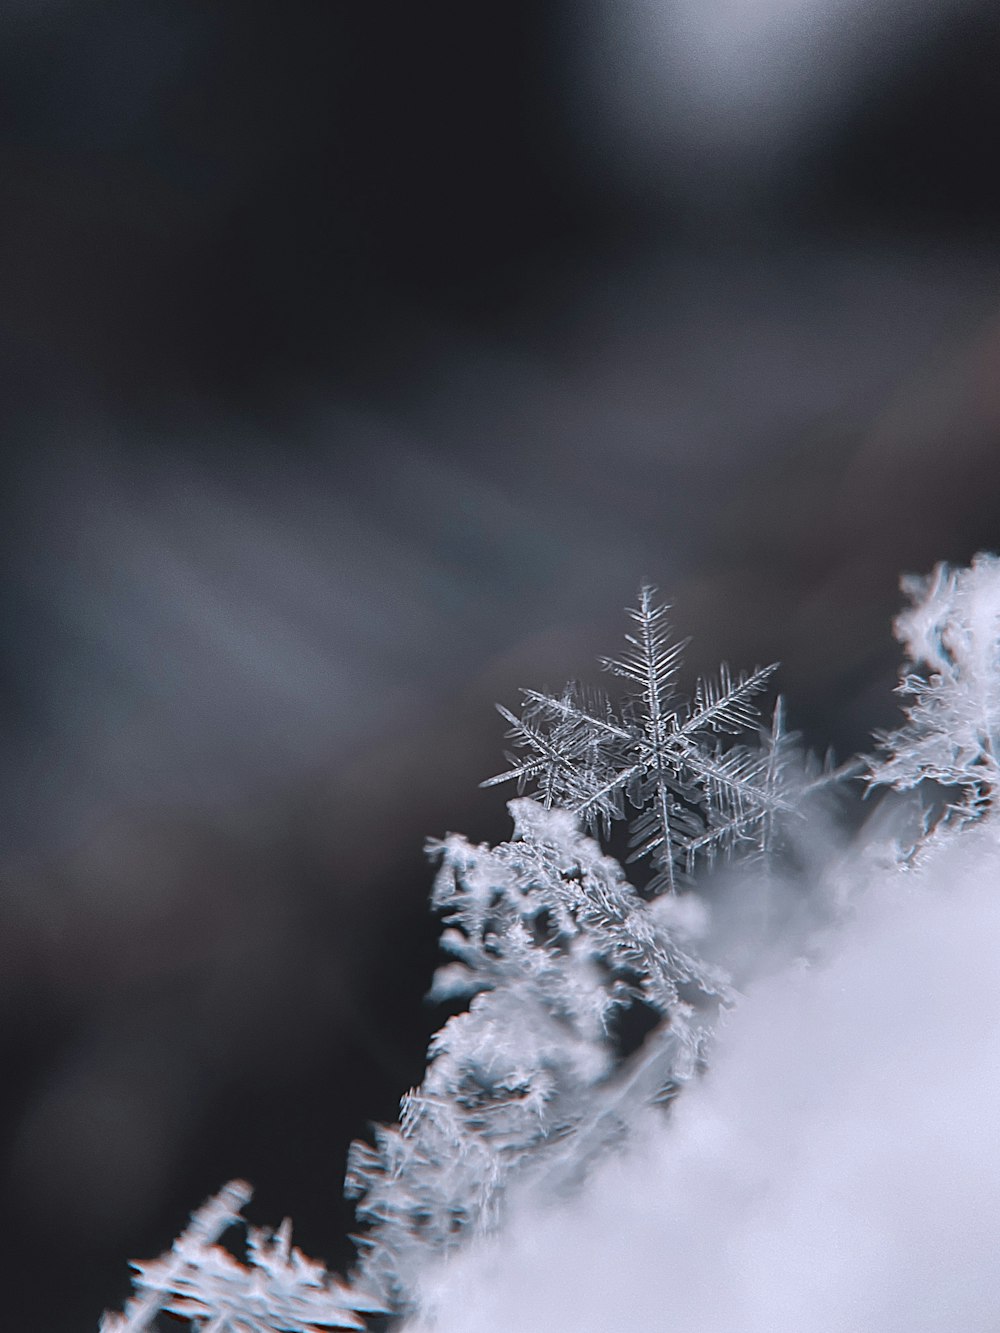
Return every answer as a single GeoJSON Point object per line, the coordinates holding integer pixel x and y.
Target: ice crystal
{"type": "Point", "coordinates": [660, 755]}
{"type": "Point", "coordinates": [278, 1291]}
{"type": "Point", "coordinates": [952, 729]}
{"type": "Point", "coordinates": [550, 940]}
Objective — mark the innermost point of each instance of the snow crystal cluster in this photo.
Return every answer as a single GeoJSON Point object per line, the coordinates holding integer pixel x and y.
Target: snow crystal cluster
{"type": "Point", "coordinates": [551, 946]}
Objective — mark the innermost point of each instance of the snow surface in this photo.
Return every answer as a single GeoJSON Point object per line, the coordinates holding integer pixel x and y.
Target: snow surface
{"type": "Point", "coordinates": [838, 1168]}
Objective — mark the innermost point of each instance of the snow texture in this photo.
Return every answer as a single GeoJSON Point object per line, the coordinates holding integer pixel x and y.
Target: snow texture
{"type": "Point", "coordinates": [836, 1170]}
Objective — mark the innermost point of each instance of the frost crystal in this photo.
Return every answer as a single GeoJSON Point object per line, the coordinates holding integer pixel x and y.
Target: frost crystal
{"type": "Point", "coordinates": [661, 755]}
{"type": "Point", "coordinates": [280, 1291]}
{"type": "Point", "coordinates": [550, 940]}
{"type": "Point", "coordinates": [952, 727]}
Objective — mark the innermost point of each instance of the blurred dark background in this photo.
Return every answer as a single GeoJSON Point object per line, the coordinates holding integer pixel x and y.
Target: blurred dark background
{"type": "Point", "coordinates": [357, 363]}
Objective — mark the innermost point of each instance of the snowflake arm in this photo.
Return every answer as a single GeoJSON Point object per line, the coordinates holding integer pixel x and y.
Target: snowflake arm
{"type": "Point", "coordinates": [724, 705]}
{"type": "Point", "coordinates": [571, 748]}
{"type": "Point", "coordinates": [651, 661]}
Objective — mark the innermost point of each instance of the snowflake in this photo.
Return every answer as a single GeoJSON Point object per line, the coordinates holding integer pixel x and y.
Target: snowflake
{"type": "Point", "coordinates": [661, 755]}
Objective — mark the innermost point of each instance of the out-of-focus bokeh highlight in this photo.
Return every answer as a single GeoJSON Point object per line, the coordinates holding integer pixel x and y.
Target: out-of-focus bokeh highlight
{"type": "Point", "coordinates": [356, 366]}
